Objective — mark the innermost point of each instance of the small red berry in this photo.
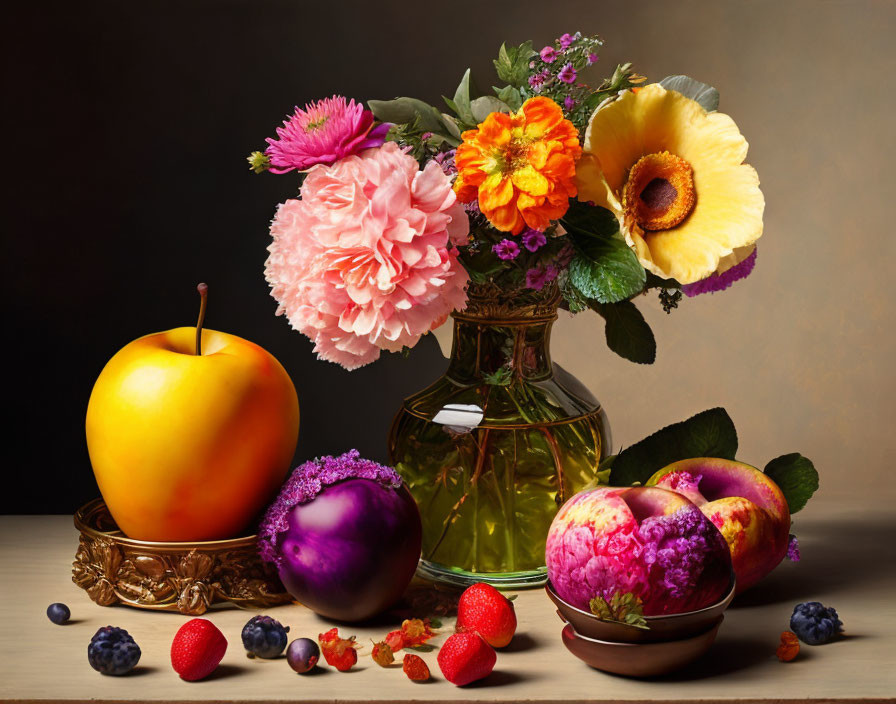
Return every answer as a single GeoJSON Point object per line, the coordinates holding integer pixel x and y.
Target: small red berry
{"type": "Point", "coordinates": [197, 649]}
{"type": "Point", "coordinates": [789, 647]}
{"type": "Point", "coordinates": [485, 610]}
{"type": "Point", "coordinates": [338, 652]}
{"type": "Point", "coordinates": [382, 654]}
{"type": "Point", "coordinates": [415, 668]}
{"type": "Point", "coordinates": [465, 658]}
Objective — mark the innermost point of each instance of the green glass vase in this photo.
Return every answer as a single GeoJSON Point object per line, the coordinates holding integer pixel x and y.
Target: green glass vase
{"type": "Point", "coordinates": [494, 447]}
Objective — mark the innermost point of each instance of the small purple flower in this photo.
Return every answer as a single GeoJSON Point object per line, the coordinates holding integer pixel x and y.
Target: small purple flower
{"type": "Point", "coordinates": [446, 161]}
{"type": "Point", "coordinates": [719, 282]}
{"type": "Point", "coordinates": [539, 277]}
{"type": "Point", "coordinates": [793, 549]}
{"type": "Point", "coordinates": [569, 102]}
{"type": "Point", "coordinates": [533, 240]}
{"type": "Point", "coordinates": [566, 41]}
{"type": "Point", "coordinates": [592, 58]}
{"type": "Point", "coordinates": [567, 74]}
{"type": "Point", "coordinates": [506, 250]}
{"type": "Point", "coordinates": [535, 81]}
{"type": "Point", "coordinates": [548, 54]}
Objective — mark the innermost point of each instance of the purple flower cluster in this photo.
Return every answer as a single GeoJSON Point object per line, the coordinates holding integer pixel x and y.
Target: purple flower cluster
{"type": "Point", "coordinates": [793, 549]}
{"type": "Point", "coordinates": [676, 548]}
{"type": "Point", "coordinates": [306, 482]}
{"type": "Point", "coordinates": [720, 282]}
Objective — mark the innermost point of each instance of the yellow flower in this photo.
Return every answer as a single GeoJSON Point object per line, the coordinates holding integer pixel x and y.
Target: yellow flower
{"type": "Point", "coordinates": [673, 174]}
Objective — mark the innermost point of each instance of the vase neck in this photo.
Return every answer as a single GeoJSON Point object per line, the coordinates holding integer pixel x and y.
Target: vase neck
{"type": "Point", "coordinates": [498, 351]}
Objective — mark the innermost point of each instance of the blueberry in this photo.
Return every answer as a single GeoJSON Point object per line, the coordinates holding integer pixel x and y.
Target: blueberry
{"type": "Point", "coordinates": [58, 613]}
{"type": "Point", "coordinates": [112, 651]}
{"type": "Point", "coordinates": [302, 655]}
{"type": "Point", "coordinates": [815, 624]}
{"type": "Point", "coordinates": [264, 637]}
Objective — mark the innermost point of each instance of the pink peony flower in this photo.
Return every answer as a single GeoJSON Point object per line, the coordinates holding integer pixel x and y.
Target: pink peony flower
{"type": "Point", "coordinates": [363, 261]}
{"type": "Point", "coordinates": [322, 133]}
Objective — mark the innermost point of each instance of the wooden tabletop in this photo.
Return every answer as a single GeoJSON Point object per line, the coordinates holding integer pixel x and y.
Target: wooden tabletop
{"type": "Point", "coordinates": [849, 562]}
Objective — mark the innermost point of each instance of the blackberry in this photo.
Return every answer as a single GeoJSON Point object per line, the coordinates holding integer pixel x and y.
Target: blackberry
{"type": "Point", "coordinates": [264, 637]}
{"type": "Point", "coordinates": [814, 623]}
{"type": "Point", "coordinates": [112, 651]}
{"type": "Point", "coordinates": [58, 613]}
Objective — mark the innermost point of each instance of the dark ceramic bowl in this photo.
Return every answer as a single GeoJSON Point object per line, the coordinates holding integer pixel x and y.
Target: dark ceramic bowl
{"type": "Point", "coordinates": [672, 627]}
{"type": "Point", "coordinates": [639, 659]}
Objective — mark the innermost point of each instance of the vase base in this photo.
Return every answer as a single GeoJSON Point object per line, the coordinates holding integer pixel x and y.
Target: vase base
{"type": "Point", "coordinates": [500, 580]}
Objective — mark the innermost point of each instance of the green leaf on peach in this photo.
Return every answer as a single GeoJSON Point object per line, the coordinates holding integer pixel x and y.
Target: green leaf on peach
{"type": "Point", "coordinates": [707, 434]}
{"type": "Point", "coordinates": [796, 476]}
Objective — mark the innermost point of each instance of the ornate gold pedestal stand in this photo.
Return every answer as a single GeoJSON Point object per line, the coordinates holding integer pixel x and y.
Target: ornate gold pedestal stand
{"type": "Point", "coordinates": [184, 577]}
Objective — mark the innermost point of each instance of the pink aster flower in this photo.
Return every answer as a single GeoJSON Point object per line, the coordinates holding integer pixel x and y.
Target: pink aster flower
{"type": "Point", "coordinates": [322, 133]}
{"type": "Point", "coordinates": [506, 250]}
{"type": "Point", "coordinates": [533, 240]}
{"type": "Point", "coordinates": [567, 74]}
{"type": "Point", "coordinates": [363, 261]}
{"type": "Point", "coordinates": [567, 40]}
{"type": "Point", "coordinates": [548, 54]}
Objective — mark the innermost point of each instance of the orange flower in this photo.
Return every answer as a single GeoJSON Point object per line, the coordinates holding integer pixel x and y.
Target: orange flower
{"type": "Point", "coordinates": [521, 166]}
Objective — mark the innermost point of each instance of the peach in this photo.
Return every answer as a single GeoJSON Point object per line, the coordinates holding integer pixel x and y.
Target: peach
{"type": "Point", "coordinates": [649, 542]}
{"type": "Point", "coordinates": [745, 505]}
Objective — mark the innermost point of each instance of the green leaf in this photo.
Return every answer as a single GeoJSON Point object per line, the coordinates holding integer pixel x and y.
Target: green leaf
{"type": "Point", "coordinates": [590, 221]}
{"type": "Point", "coordinates": [605, 268]}
{"type": "Point", "coordinates": [512, 63]}
{"type": "Point", "coordinates": [706, 95]}
{"type": "Point", "coordinates": [453, 130]}
{"type": "Point", "coordinates": [462, 100]}
{"type": "Point", "coordinates": [422, 648]}
{"type": "Point", "coordinates": [707, 434]}
{"type": "Point", "coordinates": [403, 111]}
{"type": "Point", "coordinates": [607, 271]}
{"type": "Point", "coordinates": [628, 334]}
{"type": "Point", "coordinates": [485, 106]}
{"type": "Point", "coordinates": [435, 622]}
{"type": "Point", "coordinates": [797, 478]}
{"type": "Point", "coordinates": [625, 608]}
{"type": "Point", "coordinates": [509, 95]}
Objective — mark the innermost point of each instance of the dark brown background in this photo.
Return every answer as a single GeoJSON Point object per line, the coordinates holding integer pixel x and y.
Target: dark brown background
{"type": "Point", "coordinates": [126, 127]}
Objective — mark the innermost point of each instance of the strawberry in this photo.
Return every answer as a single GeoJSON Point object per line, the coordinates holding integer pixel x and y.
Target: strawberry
{"type": "Point", "coordinates": [485, 610]}
{"type": "Point", "coordinates": [338, 652]}
{"type": "Point", "coordinates": [415, 668]}
{"type": "Point", "coordinates": [465, 658]}
{"type": "Point", "coordinates": [197, 649]}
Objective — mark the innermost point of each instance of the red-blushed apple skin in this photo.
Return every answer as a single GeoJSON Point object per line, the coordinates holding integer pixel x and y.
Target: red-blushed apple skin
{"type": "Point", "coordinates": [745, 505]}
{"type": "Point", "coordinates": [622, 540]}
{"type": "Point", "coordinates": [187, 447]}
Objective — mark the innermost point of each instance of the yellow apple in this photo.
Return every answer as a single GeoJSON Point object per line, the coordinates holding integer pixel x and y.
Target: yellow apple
{"type": "Point", "coordinates": [186, 446]}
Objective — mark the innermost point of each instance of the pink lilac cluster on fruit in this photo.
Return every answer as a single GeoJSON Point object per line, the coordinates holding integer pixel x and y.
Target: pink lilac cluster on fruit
{"type": "Point", "coordinates": [651, 543]}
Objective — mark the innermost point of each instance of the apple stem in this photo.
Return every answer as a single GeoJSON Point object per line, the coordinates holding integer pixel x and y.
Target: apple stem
{"type": "Point", "coordinates": [203, 294]}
